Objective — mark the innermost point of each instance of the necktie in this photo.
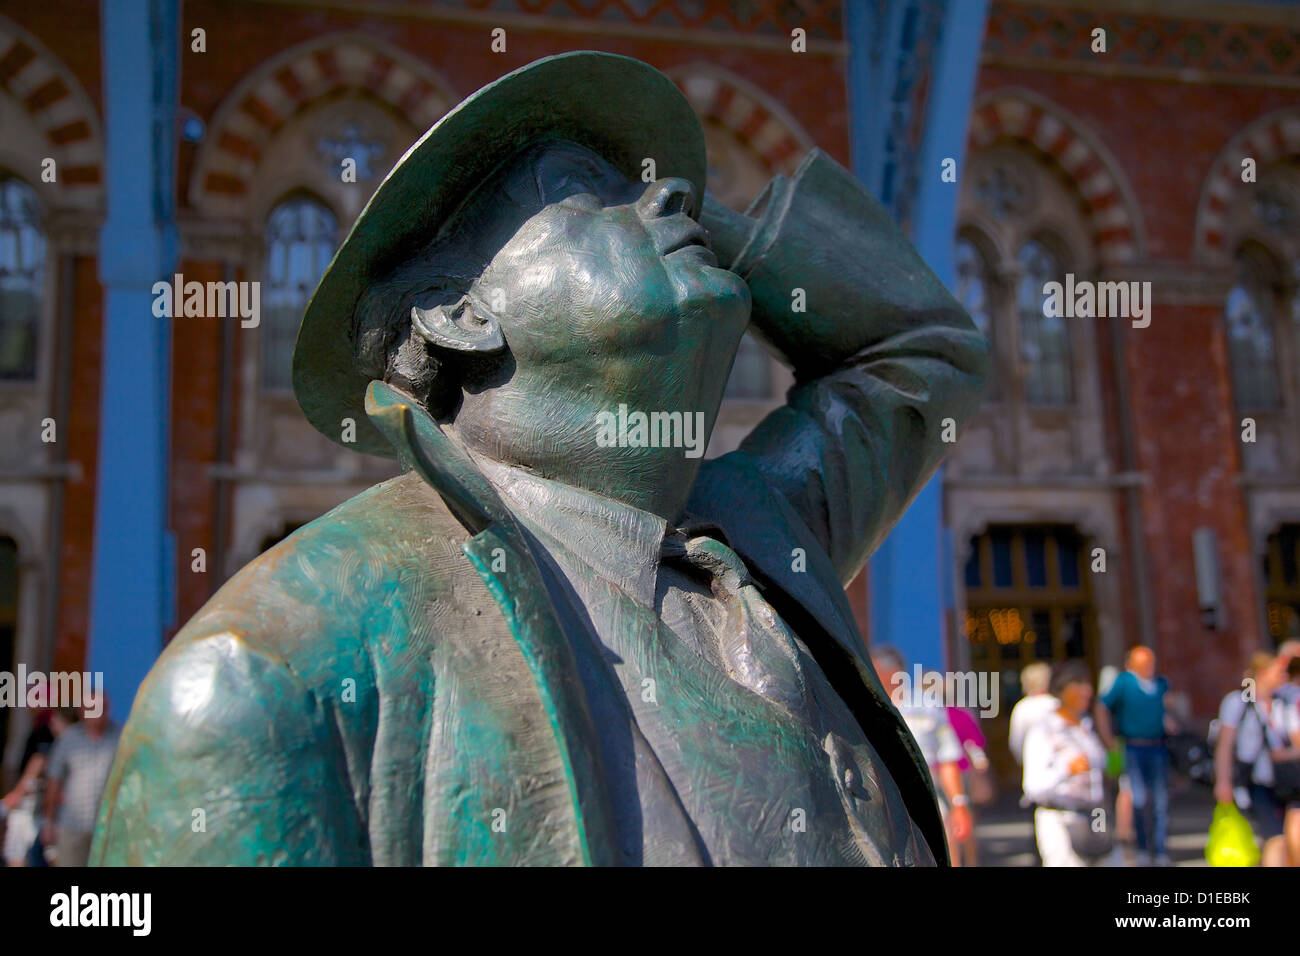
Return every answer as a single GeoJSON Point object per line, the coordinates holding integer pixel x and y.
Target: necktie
{"type": "Point", "coordinates": [757, 648]}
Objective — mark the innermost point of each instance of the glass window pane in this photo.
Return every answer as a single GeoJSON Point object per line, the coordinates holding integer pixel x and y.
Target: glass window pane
{"type": "Point", "coordinates": [972, 284]}
{"type": "Point", "coordinates": [301, 234]}
{"type": "Point", "coordinates": [22, 277]}
{"type": "Point", "coordinates": [1287, 544]}
{"type": "Point", "coordinates": [1044, 340]}
{"type": "Point", "coordinates": [1035, 559]}
{"type": "Point", "coordinates": [973, 564]}
{"type": "Point", "coordinates": [1042, 631]}
{"type": "Point", "coordinates": [1067, 553]}
{"type": "Point", "coordinates": [973, 293]}
{"type": "Point", "coordinates": [1001, 559]}
{"type": "Point", "coordinates": [1011, 653]}
{"type": "Point", "coordinates": [1295, 296]}
{"type": "Point", "coordinates": [1251, 349]}
{"type": "Point", "coordinates": [1075, 645]}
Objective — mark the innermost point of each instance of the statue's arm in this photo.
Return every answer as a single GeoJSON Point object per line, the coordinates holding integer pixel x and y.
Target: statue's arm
{"type": "Point", "coordinates": [883, 355]}
{"type": "Point", "coordinates": [227, 760]}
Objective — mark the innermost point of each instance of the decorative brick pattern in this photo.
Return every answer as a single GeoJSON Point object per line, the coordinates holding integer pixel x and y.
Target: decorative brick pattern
{"type": "Point", "coordinates": [821, 18]}
{"type": "Point", "coordinates": [297, 78]}
{"type": "Point", "coordinates": [1150, 42]}
{"type": "Point", "coordinates": [59, 108]}
{"type": "Point", "coordinates": [1267, 140]}
{"type": "Point", "coordinates": [718, 96]}
{"type": "Point", "coordinates": [1011, 115]}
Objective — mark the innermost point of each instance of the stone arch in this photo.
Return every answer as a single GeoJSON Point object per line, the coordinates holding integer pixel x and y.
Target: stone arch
{"type": "Point", "coordinates": [1269, 138]}
{"type": "Point", "coordinates": [1113, 215]}
{"type": "Point", "coordinates": [757, 120]}
{"type": "Point", "coordinates": [292, 81]}
{"type": "Point", "coordinates": [53, 100]}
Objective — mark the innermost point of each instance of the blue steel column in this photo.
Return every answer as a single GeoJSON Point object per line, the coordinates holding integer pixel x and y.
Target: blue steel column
{"type": "Point", "coordinates": [133, 569]}
{"type": "Point", "coordinates": [910, 574]}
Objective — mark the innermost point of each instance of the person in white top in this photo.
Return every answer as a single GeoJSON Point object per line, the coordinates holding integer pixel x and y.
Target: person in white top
{"type": "Point", "coordinates": [1063, 761]}
{"type": "Point", "coordinates": [1036, 704]}
{"type": "Point", "coordinates": [1259, 723]}
{"type": "Point", "coordinates": [1242, 764]}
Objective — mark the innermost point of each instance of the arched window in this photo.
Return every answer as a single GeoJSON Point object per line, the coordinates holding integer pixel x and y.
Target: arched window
{"type": "Point", "coordinates": [301, 236]}
{"type": "Point", "coordinates": [22, 272]}
{"type": "Point", "coordinates": [974, 292]}
{"type": "Point", "coordinates": [1044, 340]}
{"type": "Point", "coordinates": [1251, 346]}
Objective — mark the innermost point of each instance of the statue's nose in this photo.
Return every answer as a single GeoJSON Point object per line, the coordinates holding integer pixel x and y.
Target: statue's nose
{"type": "Point", "coordinates": [667, 197]}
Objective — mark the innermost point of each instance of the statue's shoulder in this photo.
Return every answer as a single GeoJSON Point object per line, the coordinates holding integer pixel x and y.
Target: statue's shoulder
{"type": "Point", "coordinates": [277, 682]}
{"type": "Point", "coordinates": [315, 606]}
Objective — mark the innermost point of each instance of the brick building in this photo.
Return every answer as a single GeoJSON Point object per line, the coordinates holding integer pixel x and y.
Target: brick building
{"type": "Point", "coordinates": [1122, 165]}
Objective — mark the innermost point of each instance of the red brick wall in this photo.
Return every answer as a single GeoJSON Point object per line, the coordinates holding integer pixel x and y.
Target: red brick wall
{"type": "Point", "coordinates": [196, 397]}
{"type": "Point", "coordinates": [81, 432]}
{"type": "Point", "coordinates": [241, 37]}
{"type": "Point", "coordinates": [1129, 623]}
{"type": "Point", "coordinates": [1187, 446]}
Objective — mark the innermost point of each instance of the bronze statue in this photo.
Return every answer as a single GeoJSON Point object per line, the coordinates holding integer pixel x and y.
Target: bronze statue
{"type": "Point", "coordinates": [560, 637]}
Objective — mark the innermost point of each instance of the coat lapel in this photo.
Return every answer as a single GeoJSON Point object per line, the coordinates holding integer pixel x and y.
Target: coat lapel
{"type": "Point", "coordinates": [500, 554]}
{"type": "Point", "coordinates": [764, 529]}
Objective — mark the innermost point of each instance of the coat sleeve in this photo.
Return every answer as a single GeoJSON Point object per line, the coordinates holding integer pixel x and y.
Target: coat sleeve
{"type": "Point", "coordinates": [888, 365]}
{"type": "Point", "coordinates": [227, 760]}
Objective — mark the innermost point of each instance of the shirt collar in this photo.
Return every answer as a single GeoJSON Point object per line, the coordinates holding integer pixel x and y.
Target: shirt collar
{"type": "Point", "coordinates": [480, 491]}
{"type": "Point", "coordinates": [612, 539]}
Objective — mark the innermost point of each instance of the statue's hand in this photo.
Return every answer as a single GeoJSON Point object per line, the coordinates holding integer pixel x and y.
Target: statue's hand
{"type": "Point", "coordinates": [729, 231]}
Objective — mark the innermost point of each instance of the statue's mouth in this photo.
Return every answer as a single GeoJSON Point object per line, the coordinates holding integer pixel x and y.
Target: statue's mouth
{"type": "Point", "coordinates": [686, 234]}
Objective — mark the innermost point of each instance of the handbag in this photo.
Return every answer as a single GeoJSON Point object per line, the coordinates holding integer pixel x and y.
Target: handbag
{"type": "Point", "coordinates": [1086, 841]}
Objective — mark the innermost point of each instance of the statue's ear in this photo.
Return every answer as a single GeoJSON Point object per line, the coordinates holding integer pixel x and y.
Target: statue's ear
{"type": "Point", "coordinates": [464, 325]}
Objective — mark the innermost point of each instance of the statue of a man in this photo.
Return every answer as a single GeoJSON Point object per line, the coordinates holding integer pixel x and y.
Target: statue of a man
{"type": "Point", "coordinates": [561, 637]}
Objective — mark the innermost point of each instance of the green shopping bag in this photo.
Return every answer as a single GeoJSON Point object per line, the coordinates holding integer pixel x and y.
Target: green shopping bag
{"type": "Point", "coordinates": [1114, 762]}
{"type": "Point", "coordinates": [1231, 842]}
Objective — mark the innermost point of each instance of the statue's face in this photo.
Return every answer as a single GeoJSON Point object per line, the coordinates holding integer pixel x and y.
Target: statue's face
{"type": "Point", "coordinates": [613, 278]}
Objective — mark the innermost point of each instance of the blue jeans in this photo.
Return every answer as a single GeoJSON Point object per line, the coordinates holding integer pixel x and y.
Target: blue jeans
{"type": "Point", "coordinates": [1148, 775]}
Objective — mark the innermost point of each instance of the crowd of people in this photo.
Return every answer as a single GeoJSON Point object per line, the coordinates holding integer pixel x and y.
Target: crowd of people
{"type": "Point", "coordinates": [1095, 758]}
{"type": "Point", "coordinates": [49, 815]}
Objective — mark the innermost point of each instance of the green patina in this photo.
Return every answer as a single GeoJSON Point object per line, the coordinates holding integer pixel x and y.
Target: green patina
{"type": "Point", "coordinates": [414, 666]}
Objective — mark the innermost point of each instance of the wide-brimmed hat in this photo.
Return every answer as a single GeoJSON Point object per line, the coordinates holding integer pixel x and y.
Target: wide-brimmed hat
{"type": "Point", "coordinates": [623, 109]}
